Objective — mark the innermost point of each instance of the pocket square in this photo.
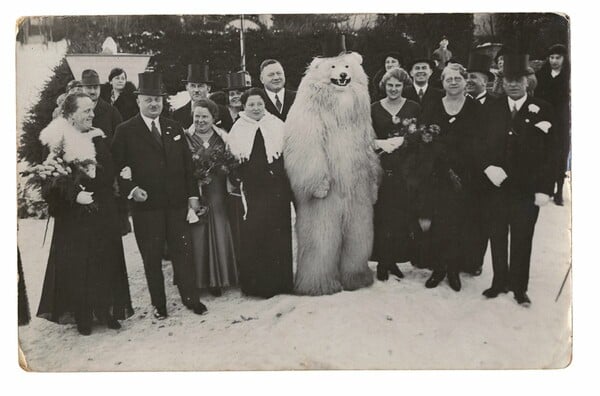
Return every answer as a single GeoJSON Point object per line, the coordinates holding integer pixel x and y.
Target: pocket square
{"type": "Point", "coordinates": [176, 138]}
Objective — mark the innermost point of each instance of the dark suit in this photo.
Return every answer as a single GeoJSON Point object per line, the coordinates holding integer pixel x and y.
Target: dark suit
{"type": "Point", "coordinates": [525, 152]}
{"type": "Point", "coordinates": [288, 99]}
{"type": "Point", "coordinates": [432, 95]}
{"type": "Point", "coordinates": [164, 170]}
{"type": "Point", "coordinates": [106, 117]}
{"type": "Point", "coordinates": [183, 116]}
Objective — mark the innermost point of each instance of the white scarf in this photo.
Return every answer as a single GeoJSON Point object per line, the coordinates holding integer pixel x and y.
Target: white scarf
{"type": "Point", "coordinates": [242, 134]}
{"type": "Point", "coordinates": [77, 145]}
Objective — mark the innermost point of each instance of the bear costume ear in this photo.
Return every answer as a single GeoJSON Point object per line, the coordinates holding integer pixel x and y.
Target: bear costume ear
{"type": "Point", "coordinates": [355, 56]}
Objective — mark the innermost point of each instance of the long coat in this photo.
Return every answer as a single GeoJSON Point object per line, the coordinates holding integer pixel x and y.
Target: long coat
{"type": "Point", "coordinates": [106, 117]}
{"type": "Point", "coordinates": [86, 266]}
{"type": "Point", "coordinates": [183, 116]}
{"type": "Point", "coordinates": [288, 101]}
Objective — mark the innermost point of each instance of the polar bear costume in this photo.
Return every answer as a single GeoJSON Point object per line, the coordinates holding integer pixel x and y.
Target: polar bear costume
{"type": "Point", "coordinates": [334, 173]}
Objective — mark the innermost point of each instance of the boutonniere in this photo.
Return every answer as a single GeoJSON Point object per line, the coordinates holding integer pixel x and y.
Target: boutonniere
{"type": "Point", "coordinates": [544, 126]}
{"type": "Point", "coordinates": [177, 137]}
{"type": "Point", "coordinates": [533, 108]}
{"type": "Point", "coordinates": [168, 130]}
{"type": "Point", "coordinates": [451, 120]}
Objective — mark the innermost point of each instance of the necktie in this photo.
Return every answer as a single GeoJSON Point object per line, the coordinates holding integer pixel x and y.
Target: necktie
{"type": "Point", "coordinates": [421, 93]}
{"type": "Point", "coordinates": [278, 103]}
{"type": "Point", "coordinates": [513, 111]}
{"type": "Point", "coordinates": [155, 133]}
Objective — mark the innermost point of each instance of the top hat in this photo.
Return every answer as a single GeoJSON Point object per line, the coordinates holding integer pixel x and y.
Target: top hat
{"type": "Point", "coordinates": [333, 44]}
{"type": "Point", "coordinates": [150, 83]}
{"type": "Point", "coordinates": [557, 49]}
{"type": "Point", "coordinates": [516, 65]}
{"type": "Point", "coordinates": [429, 61]}
{"type": "Point", "coordinates": [238, 81]}
{"type": "Point", "coordinates": [89, 77]}
{"type": "Point", "coordinates": [198, 74]}
{"type": "Point", "coordinates": [480, 63]}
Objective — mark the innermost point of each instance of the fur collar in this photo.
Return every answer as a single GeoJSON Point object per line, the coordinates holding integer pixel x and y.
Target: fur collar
{"type": "Point", "coordinates": [77, 146]}
{"type": "Point", "coordinates": [243, 132]}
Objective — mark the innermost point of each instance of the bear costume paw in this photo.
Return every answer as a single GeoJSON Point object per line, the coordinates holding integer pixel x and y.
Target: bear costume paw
{"type": "Point", "coordinates": [356, 280]}
{"type": "Point", "coordinates": [318, 287]}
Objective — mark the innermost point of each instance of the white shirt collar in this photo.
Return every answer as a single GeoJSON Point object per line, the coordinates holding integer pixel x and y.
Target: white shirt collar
{"type": "Point", "coordinates": [518, 103]}
{"type": "Point", "coordinates": [554, 73]}
{"type": "Point", "coordinates": [279, 94]}
{"type": "Point", "coordinates": [148, 122]}
{"type": "Point", "coordinates": [424, 88]}
{"type": "Point", "coordinates": [481, 96]}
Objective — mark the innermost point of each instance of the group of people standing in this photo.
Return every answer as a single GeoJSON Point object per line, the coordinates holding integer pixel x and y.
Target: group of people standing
{"type": "Point", "coordinates": [497, 159]}
{"type": "Point", "coordinates": [491, 166]}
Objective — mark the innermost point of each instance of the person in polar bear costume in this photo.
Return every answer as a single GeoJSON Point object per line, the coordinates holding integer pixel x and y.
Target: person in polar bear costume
{"type": "Point", "coordinates": [334, 173]}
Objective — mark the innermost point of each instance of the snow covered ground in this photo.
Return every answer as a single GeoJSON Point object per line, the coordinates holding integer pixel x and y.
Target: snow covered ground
{"type": "Point", "coordinates": [396, 324]}
{"type": "Point", "coordinates": [391, 325]}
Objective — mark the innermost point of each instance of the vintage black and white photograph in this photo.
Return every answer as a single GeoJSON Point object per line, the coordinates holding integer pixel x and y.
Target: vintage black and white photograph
{"type": "Point", "coordinates": [217, 192]}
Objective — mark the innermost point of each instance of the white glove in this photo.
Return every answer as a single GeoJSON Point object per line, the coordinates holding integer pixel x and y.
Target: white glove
{"type": "Point", "coordinates": [192, 217]}
{"type": "Point", "coordinates": [84, 198]}
{"type": "Point", "coordinates": [396, 141]}
{"type": "Point", "coordinates": [495, 174]}
{"type": "Point", "coordinates": [385, 145]}
{"type": "Point", "coordinates": [541, 199]}
{"type": "Point", "coordinates": [125, 173]}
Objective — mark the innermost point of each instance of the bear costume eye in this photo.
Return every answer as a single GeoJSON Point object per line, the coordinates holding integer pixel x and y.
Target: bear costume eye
{"type": "Point", "coordinates": [347, 66]}
{"type": "Point", "coordinates": [333, 66]}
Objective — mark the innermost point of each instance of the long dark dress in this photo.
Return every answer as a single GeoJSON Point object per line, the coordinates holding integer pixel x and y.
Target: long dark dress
{"type": "Point", "coordinates": [392, 218]}
{"type": "Point", "coordinates": [266, 234]}
{"type": "Point", "coordinates": [458, 148]}
{"type": "Point", "coordinates": [86, 271]}
{"type": "Point", "coordinates": [212, 244]}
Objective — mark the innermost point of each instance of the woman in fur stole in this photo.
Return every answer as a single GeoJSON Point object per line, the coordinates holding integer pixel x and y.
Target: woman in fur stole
{"type": "Point", "coordinates": [256, 139]}
{"type": "Point", "coordinates": [86, 272]}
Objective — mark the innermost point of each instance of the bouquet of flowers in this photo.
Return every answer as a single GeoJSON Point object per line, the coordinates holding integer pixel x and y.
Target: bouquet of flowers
{"type": "Point", "coordinates": [65, 178]}
{"type": "Point", "coordinates": [208, 162]}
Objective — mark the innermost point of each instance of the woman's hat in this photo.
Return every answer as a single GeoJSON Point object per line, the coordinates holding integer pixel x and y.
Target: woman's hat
{"type": "Point", "coordinates": [333, 44]}
{"type": "Point", "coordinates": [239, 81]}
{"type": "Point", "coordinates": [558, 49]}
{"type": "Point", "coordinates": [480, 63]}
{"type": "Point", "coordinates": [150, 83]}
{"type": "Point", "coordinates": [199, 74]}
{"type": "Point", "coordinates": [89, 77]}
{"type": "Point", "coordinates": [516, 65]}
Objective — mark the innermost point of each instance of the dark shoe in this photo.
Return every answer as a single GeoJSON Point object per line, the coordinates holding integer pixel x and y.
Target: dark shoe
{"type": "Point", "coordinates": [113, 323]}
{"type": "Point", "coordinates": [84, 329]}
{"type": "Point", "coordinates": [558, 200]}
{"type": "Point", "coordinates": [382, 272]}
{"type": "Point", "coordinates": [454, 281]}
{"type": "Point", "coordinates": [215, 291]}
{"type": "Point", "coordinates": [160, 313]}
{"type": "Point", "coordinates": [522, 299]}
{"type": "Point", "coordinates": [493, 291]}
{"type": "Point", "coordinates": [435, 279]}
{"type": "Point", "coordinates": [394, 270]}
{"type": "Point", "coordinates": [199, 308]}
{"type": "Point", "coordinates": [476, 272]}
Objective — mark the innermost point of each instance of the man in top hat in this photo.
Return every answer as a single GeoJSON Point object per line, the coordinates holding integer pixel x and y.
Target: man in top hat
{"type": "Point", "coordinates": [157, 178]}
{"type": "Point", "coordinates": [518, 162]}
{"type": "Point", "coordinates": [106, 116]}
{"type": "Point", "coordinates": [478, 77]}
{"type": "Point", "coordinates": [198, 85]}
{"type": "Point", "coordinates": [237, 83]}
{"type": "Point", "coordinates": [281, 99]}
{"type": "Point", "coordinates": [443, 53]}
{"type": "Point", "coordinates": [421, 91]}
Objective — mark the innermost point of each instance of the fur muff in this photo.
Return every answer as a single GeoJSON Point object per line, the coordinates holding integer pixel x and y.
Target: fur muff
{"type": "Point", "coordinates": [334, 172]}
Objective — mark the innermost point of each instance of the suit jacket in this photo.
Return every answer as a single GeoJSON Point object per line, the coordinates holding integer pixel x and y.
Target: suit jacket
{"type": "Point", "coordinates": [183, 116]}
{"type": "Point", "coordinates": [106, 117]}
{"type": "Point", "coordinates": [522, 149]}
{"type": "Point", "coordinates": [163, 171]}
{"type": "Point", "coordinates": [288, 99]}
{"type": "Point", "coordinates": [432, 95]}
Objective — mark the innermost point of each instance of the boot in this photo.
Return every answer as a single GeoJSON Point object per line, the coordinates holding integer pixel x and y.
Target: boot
{"type": "Point", "coordinates": [435, 279]}
{"type": "Point", "coordinates": [454, 281]}
{"type": "Point", "coordinates": [394, 270]}
{"type": "Point", "coordinates": [382, 272]}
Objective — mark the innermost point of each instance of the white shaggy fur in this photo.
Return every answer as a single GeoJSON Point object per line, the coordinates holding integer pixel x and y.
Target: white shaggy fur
{"type": "Point", "coordinates": [330, 139]}
{"type": "Point", "coordinates": [77, 146]}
